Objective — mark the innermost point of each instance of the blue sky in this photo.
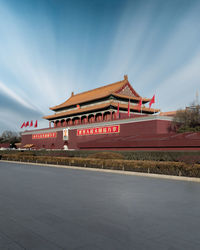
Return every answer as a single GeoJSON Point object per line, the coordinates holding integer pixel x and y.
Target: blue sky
{"type": "Point", "coordinates": [49, 48]}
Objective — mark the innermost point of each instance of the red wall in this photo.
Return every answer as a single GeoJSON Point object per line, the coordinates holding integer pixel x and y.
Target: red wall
{"type": "Point", "coordinates": [50, 143]}
{"type": "Point", "coordinates": [5, 145]}
{"type": "Point", "coordinates": [128, 129]}
{"type": "Point", "coordinates": [136, 128]}
{"type": "Point", "coordinates": [145, 135]}
{"type": "Point", "coordinates": [163, 127]}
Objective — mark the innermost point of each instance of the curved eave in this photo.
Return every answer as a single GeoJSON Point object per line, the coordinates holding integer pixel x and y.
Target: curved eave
{"type": "Point", "coordinates": [99, 107]}
{"type": "Point", "coordinates": [78, 111]}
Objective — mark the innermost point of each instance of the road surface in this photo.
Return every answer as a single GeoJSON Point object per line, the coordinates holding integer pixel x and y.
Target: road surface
{"type": "Point", "coordinates": [54, 208]}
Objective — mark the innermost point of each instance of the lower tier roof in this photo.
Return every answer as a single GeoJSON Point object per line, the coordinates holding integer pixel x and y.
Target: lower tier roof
{"type": "Point", "coordinates": [100, 107]}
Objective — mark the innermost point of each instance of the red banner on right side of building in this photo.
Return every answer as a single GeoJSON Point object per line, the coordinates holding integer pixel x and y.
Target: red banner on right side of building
{"type": "Point", "coordinates": [99, 130]}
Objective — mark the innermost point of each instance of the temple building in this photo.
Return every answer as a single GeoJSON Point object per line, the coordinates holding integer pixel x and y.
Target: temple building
{"type": "Point", "coordinates": [112, 117]}
{"type": "Point", "coordinates": [106, 103]}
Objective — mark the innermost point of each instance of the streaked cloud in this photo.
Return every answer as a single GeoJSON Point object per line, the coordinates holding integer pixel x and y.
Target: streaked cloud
{"type": "Point", "coordinates": [155, 44]}
{"type": "Point", "coordinates": [50, 48]}
{"type": "Point", "coordinates": [7, 91]}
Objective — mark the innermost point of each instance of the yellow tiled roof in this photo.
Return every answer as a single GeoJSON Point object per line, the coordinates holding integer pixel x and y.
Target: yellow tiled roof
{"type": "Point", "coordinates": [77, 111]}
{"type": "Point", "coordinates": [92, 94]}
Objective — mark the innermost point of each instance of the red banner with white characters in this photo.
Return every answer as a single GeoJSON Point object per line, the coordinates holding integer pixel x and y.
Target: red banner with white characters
{"type": "Point", "coordinates": [44, 135]}
{"type": "Point", "coordinates": [99, 130]}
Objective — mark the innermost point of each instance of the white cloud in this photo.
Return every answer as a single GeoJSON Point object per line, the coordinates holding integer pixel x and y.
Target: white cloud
{"type": "Point", "coordinates": [23, 58]}
{"type": "Point", "coordinates": [39, 74]}
{"type": "Point", "coordinates": [14, 96]}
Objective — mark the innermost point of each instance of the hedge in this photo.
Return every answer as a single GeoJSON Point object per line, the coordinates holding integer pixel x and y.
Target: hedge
{"type": "Point", "coordinates": [179, 156]}
{"type": "Point", "coordinates": [156, 167]}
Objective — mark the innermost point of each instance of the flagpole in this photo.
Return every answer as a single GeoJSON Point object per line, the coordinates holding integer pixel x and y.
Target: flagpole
{"type": "Point", "coordinates": [140, 106]}
{"type": "Point", "coordinates": [118, 111]}
{"type": "Point", "coordinates": [129, 108]}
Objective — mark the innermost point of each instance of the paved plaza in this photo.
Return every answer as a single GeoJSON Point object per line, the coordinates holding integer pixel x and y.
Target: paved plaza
{"type": "Point", "coordinates": [54, 208]}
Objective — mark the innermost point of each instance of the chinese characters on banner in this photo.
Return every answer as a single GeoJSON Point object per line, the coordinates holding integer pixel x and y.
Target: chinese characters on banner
{"type": "Point", "coordinates": [99, 130]}
{"type": "Point", "coordinates": [44, 135]}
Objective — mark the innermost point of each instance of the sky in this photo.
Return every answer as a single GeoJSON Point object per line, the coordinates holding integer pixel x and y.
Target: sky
{"type": "Point", "coordinates": [49, 48]}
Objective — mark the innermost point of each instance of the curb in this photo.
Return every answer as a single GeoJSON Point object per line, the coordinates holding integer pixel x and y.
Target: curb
{"type": "Point", "coordinates": [158, 176]}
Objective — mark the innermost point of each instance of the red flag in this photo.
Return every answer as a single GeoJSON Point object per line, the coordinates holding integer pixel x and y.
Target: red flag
{"type": "Point", "coordinates": [118, 111]}
{"type": "Point", "coordinates": [129, 108]}
{"type": "Point", "coordinates": [23, 125]}
{"type": "Point", "coordinates": [152, 101]}
{"type": "Point", "coordinates": [27, 124]}
{"type": "Point", "coordinates": [31, 124]}
{"type": "Point", "coordinates": [35, 126]}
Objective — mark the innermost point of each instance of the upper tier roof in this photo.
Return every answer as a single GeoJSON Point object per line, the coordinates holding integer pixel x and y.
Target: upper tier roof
{"type": "Point", "coordinates": [98, 93]}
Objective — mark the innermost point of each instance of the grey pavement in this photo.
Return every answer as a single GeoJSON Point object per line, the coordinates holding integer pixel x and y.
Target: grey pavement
{"type": "Point", "coordinates": [55, 208]}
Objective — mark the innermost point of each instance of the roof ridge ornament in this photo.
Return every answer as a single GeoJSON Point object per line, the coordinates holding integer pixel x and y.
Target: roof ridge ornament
{"type": "Point", "coordinates": [126, 77]}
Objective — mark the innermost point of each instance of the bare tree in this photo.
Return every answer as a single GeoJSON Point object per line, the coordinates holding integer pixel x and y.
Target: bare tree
{"type": "Point", "coordinates": [10, 136]}
{"type": "Point", "coordinates": [187, 119]}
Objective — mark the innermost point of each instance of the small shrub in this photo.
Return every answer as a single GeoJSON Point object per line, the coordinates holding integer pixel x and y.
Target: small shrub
{"type": "Point", "coordinates": [190, 159]}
